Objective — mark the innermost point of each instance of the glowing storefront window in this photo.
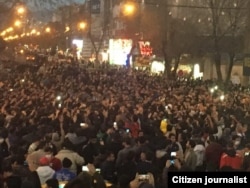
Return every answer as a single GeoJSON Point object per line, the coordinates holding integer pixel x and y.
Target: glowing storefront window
{"type": "Point", "coordinates": [157, 67]}
{"type": "Point", "coordinates": [119, 50]}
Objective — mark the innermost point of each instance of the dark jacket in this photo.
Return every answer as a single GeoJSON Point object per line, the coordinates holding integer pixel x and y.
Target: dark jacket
{"type": "Point", "coordinates": [212, 155]}
{"type": "Point", "coordinates": [32, 181]}
{"type": "Point", "coordinates": [108, 171]}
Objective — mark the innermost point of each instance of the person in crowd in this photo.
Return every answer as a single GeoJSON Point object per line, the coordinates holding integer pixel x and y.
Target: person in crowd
{"type": "Point", "coordinates": [115, 144]}
{"type": "Point", "coordinates": [13, 182]}
{"type": "Point", "coordinates": [213, 154]}
{"type": "Point", "coordinates": [65, 174]}
{"type": "Point", "coordinates": [18, 166]}
{"type": "Point", "coordinates": [68, 152]}
{"type": "Point", "coordinates": [92, 178]}
{"type": "Point", "coordinates": [91, 150]}
{"type": "Point", "coordinates": [55, 101]}
{"type": "Point", "coordinates": [231, 158]}
{"type": "Point", "coordinates": [122, 154]}
{"type": "Point", "coordinates": [142, 146]}
{"type": "Point", "coordinates": [199, 150]}
{"type": "Point", "coordinates": [108, 169]}
{"type": "Point", "coordinates": [34, 157]}
{"type": "Point", "coordinates": [190, 157]}
{"type": "Point", "coordinates": [55, 163]}
{"type": "Point", "coordinates": [128, 166]}
{"type": "Point", "coordinates": [44, 170]}
{"type": "Point", "coordinates": [52, 183]}
{"type": "Point", "coordinates": [246, 158]}
{"type": "Point", "coordinates": [238, 142]}
{"type": "Point", "coordinates": [132, 125]}
{"type": "Point", "coordinates": [146, 165]}
{"type": "Point", "coordinates": [10, 179]}
{"type": "Point", "coordinates": [172, 146]}
{"type": "Point", "coordinates": [13, 151]}
{"type": "Point", "coordinates": [32, 180]}
{"type": "Point", "coordinates": [57, 139]}
{"type": "Point", "coordinates": [34, 145]}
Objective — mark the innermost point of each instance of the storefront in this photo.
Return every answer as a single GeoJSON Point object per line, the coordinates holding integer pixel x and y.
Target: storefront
{"type": "Point", "coordinates": [119, 50]}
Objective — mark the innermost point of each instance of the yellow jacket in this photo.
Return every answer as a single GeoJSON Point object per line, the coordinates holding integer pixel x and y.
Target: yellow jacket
{"type": "Point", "coordinates": [164, 126]}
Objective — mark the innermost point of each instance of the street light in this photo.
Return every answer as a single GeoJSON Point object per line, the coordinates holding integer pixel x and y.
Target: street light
{"type": "Point", "coordinates": [18, 23]}
{"type": "Point", "coordinates": [129, 9]}
{"type": "Point", "coordinates": [33, 31]}
{"type": "Point", "coordinates": [21, 10]}
{"type": "Point", "coordinates": [47, 30]}
{"type": "Point", "coordinates": [67, 29]}
{"type": "Point", "coordinates": [82, 25]}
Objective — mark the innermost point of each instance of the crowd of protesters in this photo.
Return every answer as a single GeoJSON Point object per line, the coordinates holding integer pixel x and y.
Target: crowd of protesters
{"type": "Point", "coordinates": [63, 125]}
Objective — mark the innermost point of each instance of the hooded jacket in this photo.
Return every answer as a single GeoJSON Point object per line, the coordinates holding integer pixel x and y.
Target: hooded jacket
{"type": "Point", "coordinates": [45, 173]}
{"type": "Point", "coordinates": [199, 150]}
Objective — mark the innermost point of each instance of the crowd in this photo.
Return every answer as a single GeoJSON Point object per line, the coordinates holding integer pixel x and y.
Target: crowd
{"type": "Point", "coordinates": [63, 125]}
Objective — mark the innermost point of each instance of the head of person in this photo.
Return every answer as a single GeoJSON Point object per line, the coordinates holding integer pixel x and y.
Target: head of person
{"type": "Point", "coordinates": [190, 144]}
{"type": "Point", "coordinates": [172, 137]}
{"type": "Point", "coordinates": [110, 156]}
{"type": "Point", "coordinates": [44, 161]}
{"type": "Point", "coordinates": [66, 163]}
{"type": "Point", "coordinates": [49, 152]}
{"type": "Point", "coordinates": [126, 142]}
{"type": "Point", "coordinates": [52, 183]}
{"type": "Point", "coordinates": [230, 145]}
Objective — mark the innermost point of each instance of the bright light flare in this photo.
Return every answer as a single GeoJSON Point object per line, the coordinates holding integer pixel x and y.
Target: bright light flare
{"type": "Point", "coordinates": [129, 9]}
{"type": "Point", "coordinates": [82, 25]}
{"type": "Point", "coordinates": [222, 97]}
{"type": "Point", "coordinates": [9, 29]}
{"type": "Point", "coordinates": [3, 33]}
{"type": "Point", "coordinates": [21, 10]}
{"type": "Point", "coordinates": [33, 31]}
{"type": "Point", "coordinates": [47, 30]}
{"type": "Point", "coordinates": [67, 29]}
{"type": "Point", "coordinates": [18, 23]}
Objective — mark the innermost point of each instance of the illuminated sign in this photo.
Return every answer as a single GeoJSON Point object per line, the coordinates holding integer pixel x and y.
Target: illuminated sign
{"type": "Point", "coordinates": [145, 48]}
{"type": "Point", "coordinates": [119, 50]}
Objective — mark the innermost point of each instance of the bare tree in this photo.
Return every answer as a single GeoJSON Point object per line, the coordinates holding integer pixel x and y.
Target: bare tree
{"type": "Point", "coordinates": [236, 22]}
{"type": "Point", "coordinates": [171, 36]}
{"type": "Point", "coordinates": [98, 39]}
{"type": "Point", "coordinates": [226, 19]}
